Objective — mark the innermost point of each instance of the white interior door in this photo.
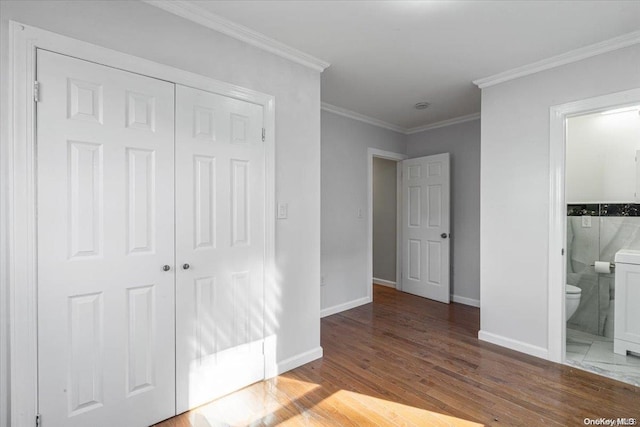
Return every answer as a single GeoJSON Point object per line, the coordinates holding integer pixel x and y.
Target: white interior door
{"type": "Point", "coordinates": [425, 227]}
{"type": "Point", "coordinates": [105, 231]}
{"type": "Point", "coordinates": [220, 245]}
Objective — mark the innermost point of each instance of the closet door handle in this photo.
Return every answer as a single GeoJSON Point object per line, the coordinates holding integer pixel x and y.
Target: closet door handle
{"type": "Point", "coordinates": [166, 267]}
{"type": "Point", "coordinates": [185, 266]}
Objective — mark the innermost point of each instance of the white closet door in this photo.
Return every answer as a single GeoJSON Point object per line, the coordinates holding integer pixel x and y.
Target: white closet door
{"type": "Point", "coordinates": [220, 245]}
{"type": "Point", "coordinates": [105, 230]}
{"type": "Point", "coordinates": [425, 227]}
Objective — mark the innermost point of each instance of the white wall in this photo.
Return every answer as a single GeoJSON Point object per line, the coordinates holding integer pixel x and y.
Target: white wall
{"type": "Point", "coordinates": [142, 30]}
{"type": "Point", "coordinates": [344, 192]}
{"type": "Point", "coordinates": [462, 140]}
{"type": "Point", "coordinates": [385, 209]}
{"type": "Point", "coordinates": [600, 162]}
{"type": "Point", "coordinates": [515, 190]}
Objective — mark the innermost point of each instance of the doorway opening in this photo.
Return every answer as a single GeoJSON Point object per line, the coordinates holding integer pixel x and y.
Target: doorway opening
{"type": "Point", "coordinates": [385, 225]}
{"type": "Point", "coordinates": [422, 258]}
{"type": "Point", "coordinates": [602, 219]}
{"type": "Point", "coordinates": [384, 215]}
{"type": "Point", "coordinates": [594, 183]}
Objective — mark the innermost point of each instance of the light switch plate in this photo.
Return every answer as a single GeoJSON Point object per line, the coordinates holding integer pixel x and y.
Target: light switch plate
{"type": "Point", "coordinates": [283, 210]}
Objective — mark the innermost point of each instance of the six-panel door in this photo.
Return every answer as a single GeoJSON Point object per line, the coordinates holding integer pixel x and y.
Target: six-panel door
{"type": "Point", "coordinates": [220, 243]}
{"type": "Point", "coordinates": [118, 342]}
{"type": "Point", "coordinates": [425, 226]}
{"type": "Point", "coordinates": [105, 207]}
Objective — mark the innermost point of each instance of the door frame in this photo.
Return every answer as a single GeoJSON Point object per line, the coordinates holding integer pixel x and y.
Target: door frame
{"type": "Point", "coordinates": [19, 263]}
{"type": "Point", "coordinates": [398, 158]}
{"type": "Point", "coordinates": [558, 116]}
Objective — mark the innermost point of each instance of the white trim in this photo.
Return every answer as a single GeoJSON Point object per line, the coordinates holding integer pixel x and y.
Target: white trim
{"type": "Point", "coordinates": [443, 123]}
{"type": "Point", "coordinates": [21, 269]}
{"type": "Point", "coordinates": [344, 306]}
{"type": "Point", "coordinates": [466, 301]}
{"type": "Point", "coordinates": [398, 157]}
{"type": "Point", "coordinates": [556, 327]}
{"type": "Point", "coordinates": [194, 12]}
{"type": "Point", "coordinates": [298, 360]}
{"type": "Point", "coordinates": [512, 344]}
{"type": "Point", "coordinates": [399, 209]}
{"type": "Point", "coordinates": [361, 118]}
{"type": "Point", "coordinates": [562, 59]}
{"type": "Point", "coordinates": [386, 125]}
{"type": "Point", "coordinates": [383, 282]}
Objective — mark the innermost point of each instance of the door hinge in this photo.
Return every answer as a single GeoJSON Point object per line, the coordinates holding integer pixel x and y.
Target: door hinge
{"type": "Point", "coordinates": [38, 421]}
{"type": "Point", "coordinates": [264, 134]}
{"type": "Point", "coordinates": [562, 251]}
{"type": "Point", "coordinates": [36, 91]}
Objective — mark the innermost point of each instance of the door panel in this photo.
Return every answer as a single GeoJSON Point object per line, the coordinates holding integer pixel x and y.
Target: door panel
{"type": "Point", "coordinates": [105, 229]}
{"type": "Point", "coordinates": [425, 188]}
{"type": "Point", "coordinates": [220, 164]}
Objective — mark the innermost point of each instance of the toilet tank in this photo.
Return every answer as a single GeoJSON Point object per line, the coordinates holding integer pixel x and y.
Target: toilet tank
{"type": "Point", "coordinates": [627, 302]}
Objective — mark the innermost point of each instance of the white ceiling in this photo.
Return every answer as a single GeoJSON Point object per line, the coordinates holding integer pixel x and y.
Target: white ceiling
{"type": "Point", "coordinates": [388, 55]}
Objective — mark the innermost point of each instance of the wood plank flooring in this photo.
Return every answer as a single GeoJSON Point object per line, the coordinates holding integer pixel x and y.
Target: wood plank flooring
{"type": "Point", "coordinates": [407, 361]}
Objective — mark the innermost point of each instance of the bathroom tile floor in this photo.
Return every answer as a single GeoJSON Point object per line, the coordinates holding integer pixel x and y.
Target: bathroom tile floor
{"type": "Point", "coordinates": [594, 353]}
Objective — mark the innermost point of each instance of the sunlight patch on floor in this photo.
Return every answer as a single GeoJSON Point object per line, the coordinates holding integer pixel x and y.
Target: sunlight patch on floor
{"type": "Point", "coordinates": [393, 413]}
{"type": "Point", "coordinates": [286, 401]}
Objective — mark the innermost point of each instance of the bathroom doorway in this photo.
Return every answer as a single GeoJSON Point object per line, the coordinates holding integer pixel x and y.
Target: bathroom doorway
{"type": "Point", "coordinates": [599, 195]}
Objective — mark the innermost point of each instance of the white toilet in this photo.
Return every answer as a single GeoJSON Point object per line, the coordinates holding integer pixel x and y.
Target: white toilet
{"type": "Point", "coordinates": [571, 300]}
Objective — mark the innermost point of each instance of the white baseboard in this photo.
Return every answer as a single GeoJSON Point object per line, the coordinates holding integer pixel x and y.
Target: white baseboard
{"type": "Point", "coordinates": [344, 306]}
{"type": "Point", "coordinates": [383, 282]}
{"type": "Point", "coordinates": [466, 301]}
{"type": "Point", "coordinates": [293, 362]}
{"type": "Point", "coordinates": [512, 344]}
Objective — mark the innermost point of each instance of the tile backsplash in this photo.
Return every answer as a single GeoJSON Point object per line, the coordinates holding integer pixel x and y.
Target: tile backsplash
{"type": "Point", "coordinates": [604, 209]}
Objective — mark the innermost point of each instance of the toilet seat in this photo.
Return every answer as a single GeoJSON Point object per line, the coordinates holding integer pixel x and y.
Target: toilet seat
{"type": "Point", "coordinates": [570, 289]}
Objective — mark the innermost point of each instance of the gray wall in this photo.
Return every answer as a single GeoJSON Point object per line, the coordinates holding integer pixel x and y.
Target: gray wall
{"type": "Point", "coordinates": [344, 191]}
{"type": "Point", "coordinates": [463, 142]}
{"type": "Point", "coordinates": [140, 29]}
{"type": "Point", "coordinates": [385, 209]}
{"type": "Point", "coordinates": [515, 190]}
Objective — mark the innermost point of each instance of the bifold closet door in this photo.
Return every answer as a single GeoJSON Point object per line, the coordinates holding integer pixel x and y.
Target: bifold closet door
{"type": "Point", "coordinates": [105, 184]}
{"type": "Point", "coordinates": [220, 245]}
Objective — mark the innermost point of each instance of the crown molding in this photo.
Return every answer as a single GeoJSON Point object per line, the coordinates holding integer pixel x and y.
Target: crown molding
{"type": "Point", "coordinates": [562, 59]}
{"type": "Point", "coordinates": [443, 123]}
{"type": "Point", "coordinates": [196, 13]}
{"type": "Point", "coordinates": [385, 125]}
{"type": "Point", "coordinates": [362, 118]}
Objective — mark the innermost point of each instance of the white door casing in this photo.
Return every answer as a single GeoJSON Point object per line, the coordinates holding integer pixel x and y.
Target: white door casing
{"type": "Point", "coordinates": [220, 245]}
{"type": "Point", "coordinates": [425, 227]}
{"type": "Point", "coordinates": [105, 231]}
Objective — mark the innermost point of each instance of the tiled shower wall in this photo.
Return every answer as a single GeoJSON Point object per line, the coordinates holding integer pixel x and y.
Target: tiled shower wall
{"type": "Point", "coordinates": [595, 232]}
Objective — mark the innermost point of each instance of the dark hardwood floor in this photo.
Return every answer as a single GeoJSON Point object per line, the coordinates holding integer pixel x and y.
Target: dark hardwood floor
{"type": "Point", "coordinates": [407, 361]}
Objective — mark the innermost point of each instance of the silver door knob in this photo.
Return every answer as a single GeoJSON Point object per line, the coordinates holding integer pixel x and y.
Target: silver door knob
{"type": "Point", "coordinates": [166, 268]}
{"type": "Point", "coordinates": [185, 266]}
{"type": "Point", "coordinates": [444, 235]}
